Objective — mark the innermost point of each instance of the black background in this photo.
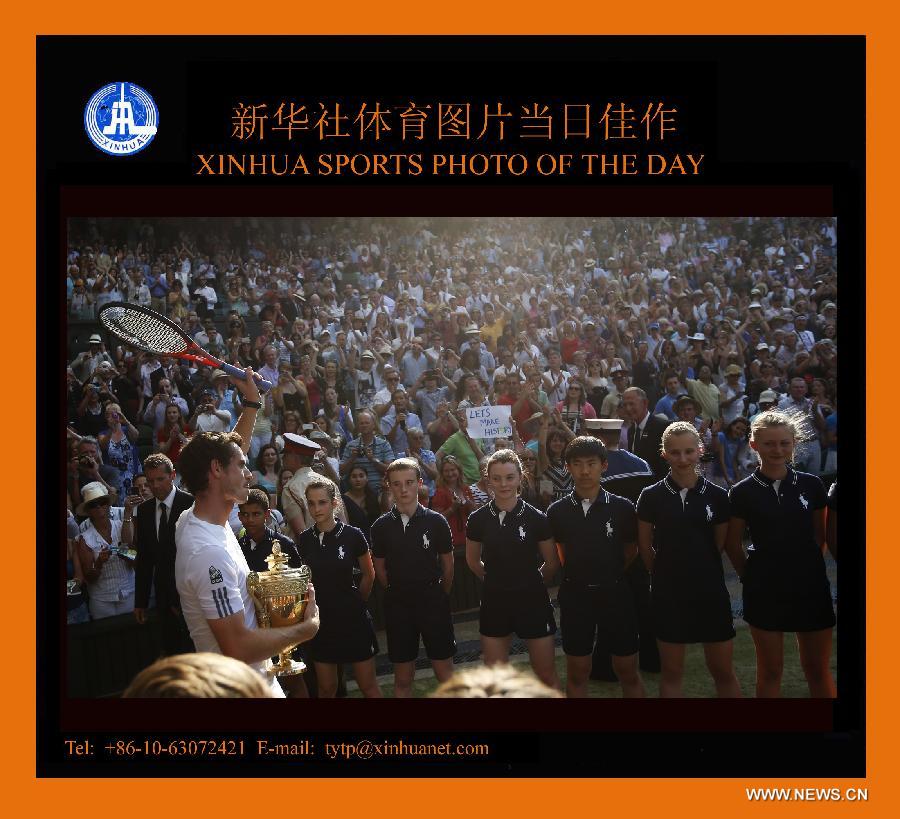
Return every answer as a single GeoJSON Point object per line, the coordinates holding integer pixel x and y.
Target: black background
{"type": "Point", "coordinates": [781, 122]}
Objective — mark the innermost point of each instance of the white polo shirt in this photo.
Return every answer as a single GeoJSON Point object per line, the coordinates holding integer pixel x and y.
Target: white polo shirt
{"type": "Point", "coordinates": [211, 577]}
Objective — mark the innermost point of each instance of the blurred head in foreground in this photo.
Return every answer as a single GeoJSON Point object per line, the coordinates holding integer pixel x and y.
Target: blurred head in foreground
{"type": "Point", "coordinates": [203, 675]}
{"type": "Point", "coordinates": [495, 681]}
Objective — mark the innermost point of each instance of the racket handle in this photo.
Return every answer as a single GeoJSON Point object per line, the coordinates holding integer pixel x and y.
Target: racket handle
{"type": "Point", "coordinates": [235, 372]}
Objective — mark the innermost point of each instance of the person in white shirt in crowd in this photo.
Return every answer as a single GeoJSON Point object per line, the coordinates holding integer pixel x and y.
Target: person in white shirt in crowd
{"type": "Point", "coordinates": [731, 400]}
{"type": "Point", "coordinates": [206, 299]}
{"type": "Point", "coordinates": [207, 418]}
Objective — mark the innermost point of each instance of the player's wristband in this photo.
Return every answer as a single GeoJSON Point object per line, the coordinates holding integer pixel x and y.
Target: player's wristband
{"type": "Point", "coordinates": [253, 404]}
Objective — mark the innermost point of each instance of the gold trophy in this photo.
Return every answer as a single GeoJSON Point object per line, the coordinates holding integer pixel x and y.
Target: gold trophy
{"type": "Point", "coordinates": [280, 596]}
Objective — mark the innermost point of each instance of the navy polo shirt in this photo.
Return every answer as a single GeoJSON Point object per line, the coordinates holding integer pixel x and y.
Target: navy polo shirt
{"type": "Point", "coordinates": [683, 535]}
{"type": "Point", "coordinates": [781, 527]}
{"type": "Point", "coordinates": [256, 553]}
{"type": "Point", "coordinates": [411, 554]}
{"type": "Point", "coordinates": [594, 543]}
{"type": "Point", "coordinates": [332, 556]}
{"type": "Point", "coordinates": [510, 550]}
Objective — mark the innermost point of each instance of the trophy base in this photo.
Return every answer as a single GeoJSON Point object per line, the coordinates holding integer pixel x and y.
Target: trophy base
{"type": "Point", "coordinates": [288, 668]}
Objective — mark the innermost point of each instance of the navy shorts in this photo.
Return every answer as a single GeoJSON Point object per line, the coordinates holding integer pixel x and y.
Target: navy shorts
{"type": "Point", "coordinates": [346, 633]}
{"type": "Point", "coordinates": [609, 610]}
{"type": "Point", "coordinates": [414, 613]}
{"type": "Point", "coordinates": [526, 612]}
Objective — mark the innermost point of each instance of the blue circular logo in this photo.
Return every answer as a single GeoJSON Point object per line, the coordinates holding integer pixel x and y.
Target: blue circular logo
{"type": "Point", "coordinates": [121, 119]}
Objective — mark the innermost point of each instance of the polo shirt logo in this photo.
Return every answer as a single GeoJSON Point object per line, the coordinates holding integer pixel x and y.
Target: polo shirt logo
{"type": "Point", "coordinates": [804, 501]}
{"type": "Point", "coordinates": [341, 552]}
{"type": "Point", "coordinates": [215, 576]}
{"type": "Point", "coordinates": [521, 533]}
{"type": "Point", "coordinates": [609, 529]}
{"type": "Point", "coordinates": [708, 512]}
{"type": "Point", "coordinates": [425, 541]}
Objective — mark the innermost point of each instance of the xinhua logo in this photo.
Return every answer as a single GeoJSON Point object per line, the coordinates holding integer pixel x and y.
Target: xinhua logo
{"type": "Point", "coordinates": [121, 119]}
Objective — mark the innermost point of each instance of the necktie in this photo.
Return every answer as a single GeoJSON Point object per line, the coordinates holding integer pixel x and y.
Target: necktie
{"type": "Point", "coordinates": [163, 520]}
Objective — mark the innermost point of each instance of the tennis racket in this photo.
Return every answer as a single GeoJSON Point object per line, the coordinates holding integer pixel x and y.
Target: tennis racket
{"type": "Point", "coordinates": [149, 331]}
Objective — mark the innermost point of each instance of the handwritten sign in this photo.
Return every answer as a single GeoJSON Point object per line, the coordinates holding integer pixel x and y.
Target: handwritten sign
{"type": "Point", "coordinates": [489, 422]}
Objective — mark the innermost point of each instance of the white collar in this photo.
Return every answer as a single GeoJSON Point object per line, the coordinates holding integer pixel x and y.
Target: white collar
{"type": "Point", "coordinates": [170, 498]}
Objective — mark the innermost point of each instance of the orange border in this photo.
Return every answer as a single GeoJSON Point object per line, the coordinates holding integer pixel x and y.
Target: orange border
{"type": "Point", "coordinates": [688, 797]}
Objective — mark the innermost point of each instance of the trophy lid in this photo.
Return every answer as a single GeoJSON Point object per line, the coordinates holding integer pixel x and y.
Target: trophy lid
{"type": "Point", "coordinates": [279, 571]}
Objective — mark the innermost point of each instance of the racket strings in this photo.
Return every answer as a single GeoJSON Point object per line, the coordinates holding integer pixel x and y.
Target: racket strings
{"type": "Point", "coordinates": [141, 330]}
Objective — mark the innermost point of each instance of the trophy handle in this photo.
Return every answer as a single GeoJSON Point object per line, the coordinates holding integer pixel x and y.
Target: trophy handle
{"type": "Point", "coordinates": [254, 589]}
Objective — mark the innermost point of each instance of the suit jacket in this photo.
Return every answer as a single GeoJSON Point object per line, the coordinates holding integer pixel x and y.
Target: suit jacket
{"type": "Point", "coordinates": [648, 445]}
{"type": "Point", "coordinates": [156, 556]}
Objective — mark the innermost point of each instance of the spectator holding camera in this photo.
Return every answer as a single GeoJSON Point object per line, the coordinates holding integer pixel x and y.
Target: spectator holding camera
{"type": "Point", "coordinates": [156, 411]}
{"type": "Point", "coordinates": [86, 362]}
{"type": "Point", "coordinates": [109, 573]}
{"type": "Point", "coordinates": [371, 452]}
{"type": "Point", "coordinates": [89, 417]}
{"type": "Point", "coordinates": [207, 418]}
{"type": "Point", "coordinates": [86, 466]}
{"type": "Point", "coordinates": [173, 434]}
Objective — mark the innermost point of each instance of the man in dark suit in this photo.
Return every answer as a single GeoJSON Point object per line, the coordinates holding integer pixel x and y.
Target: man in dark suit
{"type": "Point", "coordinates": [645, 433]}
{"type": "Point", "coordinates": [154, 539]}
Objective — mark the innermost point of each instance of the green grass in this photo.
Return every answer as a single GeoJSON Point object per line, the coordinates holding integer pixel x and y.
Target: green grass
{"type": "Point", "coordinates": [697, 682]}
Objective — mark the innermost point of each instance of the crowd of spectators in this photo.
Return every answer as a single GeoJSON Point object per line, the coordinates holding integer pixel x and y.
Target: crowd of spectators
{"type": "Point", "coordinates": [380, 334]}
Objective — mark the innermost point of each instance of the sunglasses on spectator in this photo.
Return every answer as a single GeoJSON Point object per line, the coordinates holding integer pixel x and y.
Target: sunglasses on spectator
{"type": "Point", "coordinates": [98, 503]}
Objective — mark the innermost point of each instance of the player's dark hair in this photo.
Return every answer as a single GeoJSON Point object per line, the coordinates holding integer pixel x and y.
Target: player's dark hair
{"type": "Point", "coordinates": [195, 460]}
